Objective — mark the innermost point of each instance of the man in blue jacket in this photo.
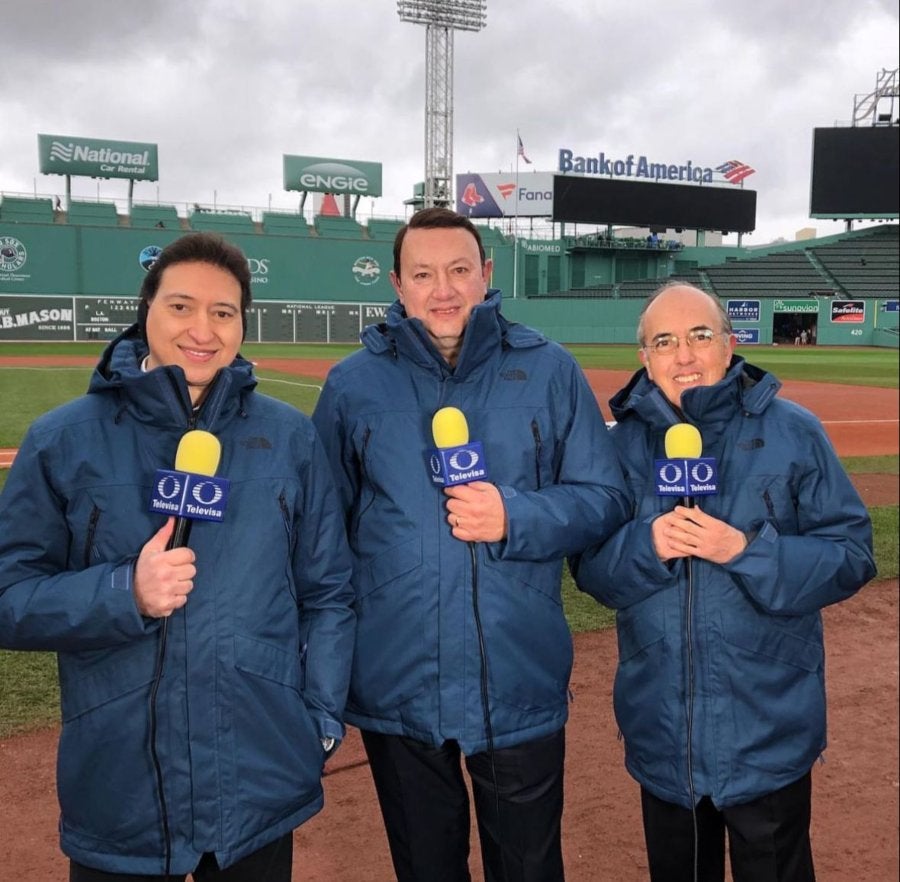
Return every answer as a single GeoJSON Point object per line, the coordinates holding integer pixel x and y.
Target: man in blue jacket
{"type": "Point", "coordinates": [720, 689]}
{"type": "Point", "coordinates": [462, 646]}
{"type": "Point", "coordinates": [202, 686]}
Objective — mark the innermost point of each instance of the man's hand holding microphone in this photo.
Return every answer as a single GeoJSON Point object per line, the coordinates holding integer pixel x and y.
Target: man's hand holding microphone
{"type": "Point", "coordinates": [687, 531]}
{"type": "Point", "coordinates": [165, 570]}
{"type": "Point", "coordinates": [475, 510]}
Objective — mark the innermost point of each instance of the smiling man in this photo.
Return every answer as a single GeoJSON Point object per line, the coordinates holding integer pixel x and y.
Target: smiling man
{"type": "Point", "coordinates": [720, 689]}
{"type": "Point", "coordinates": [195, 319]}
{"type": "Point", "coordinates": [202, 687]}
{"type": "Point", "coordinates": [463, 648]}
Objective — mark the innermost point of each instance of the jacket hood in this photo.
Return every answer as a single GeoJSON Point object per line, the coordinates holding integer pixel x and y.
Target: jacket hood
{"type": "Point", "coordinates": [486, 329]}
{"type": "Point", "coordinates": [744, 387]}
{"type": "Point", "coordinates": [161, 395]}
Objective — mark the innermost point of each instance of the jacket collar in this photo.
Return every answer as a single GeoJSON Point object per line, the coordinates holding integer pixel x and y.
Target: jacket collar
{"type": "Point", "coordinates": [160, 396]}
{"type": "Point", "coordinates": [743, 388]}
{"type": "Point", "coordinates": [486, 332]}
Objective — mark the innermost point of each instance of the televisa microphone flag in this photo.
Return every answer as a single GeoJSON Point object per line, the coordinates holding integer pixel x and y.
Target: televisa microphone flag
{"type": "Point", "coordinates": [520, 148]}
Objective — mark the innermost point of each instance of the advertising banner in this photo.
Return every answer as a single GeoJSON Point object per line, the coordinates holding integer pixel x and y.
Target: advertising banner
{"type": "Point", "coordinates": [505, 195]}
{"type": "Point", "coordinates": [90, 158]}
{"type": "Point", "coordinates": [36, 318]}
{"type": "Point", "coordinates": [319, 174]}
{"type": "Point", "coordinates": [743, 310]}
{"type": "Point", "coordinates": [847, 311]}
{"type": "Point", "coordinates": [796, 305]}
{"type": "Point", "coordinates": [746, 336]}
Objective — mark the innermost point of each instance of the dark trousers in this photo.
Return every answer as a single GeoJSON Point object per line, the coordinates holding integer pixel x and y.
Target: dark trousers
{"type": "Point", "coordinates": [768, 839]}
{"type": "Point", "coordinates": [518, 800]}
{"type": "Point", "coordinates": [272, 863]}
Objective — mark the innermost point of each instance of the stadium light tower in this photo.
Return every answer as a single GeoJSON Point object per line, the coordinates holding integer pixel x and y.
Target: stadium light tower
{"type": "Point", "coordinates": [441, 18]}
{"type": "Point", "coordinates": [875, 103]}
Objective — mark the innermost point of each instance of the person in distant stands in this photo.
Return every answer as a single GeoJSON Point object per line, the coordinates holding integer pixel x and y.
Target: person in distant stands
{"type": "Point", "coordinates": [203, 686]}
{"type": "Point", "coordinates": [720, 688]}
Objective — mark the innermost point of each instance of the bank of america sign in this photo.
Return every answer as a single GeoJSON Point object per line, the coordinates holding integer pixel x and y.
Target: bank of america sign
{"type": "Point", "coordinates": [91, 158]}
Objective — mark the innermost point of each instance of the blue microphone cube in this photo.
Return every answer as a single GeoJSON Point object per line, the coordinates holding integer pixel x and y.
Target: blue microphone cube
{"type": "Point", "coordinates": [186, 495]}
{"type": "Point", "coordinates": [457, 465]}
{"type": "Point", "coordinates": [686, 477]}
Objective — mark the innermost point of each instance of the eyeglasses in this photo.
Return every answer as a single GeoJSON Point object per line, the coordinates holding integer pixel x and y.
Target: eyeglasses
{"type": "Point", "coordinates": [667, 344]}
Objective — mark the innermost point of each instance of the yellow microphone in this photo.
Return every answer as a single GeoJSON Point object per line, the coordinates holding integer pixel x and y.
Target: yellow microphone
{"type": "Point", "coordinates": [198, 453]}
{"type": "Point", "coordinates": [449, 428]}
{"type": "Point", "coordinates": [456, 459]}
{"type": "Point", "coordinates": [685, 472]}
{"type": "Point", "coordinates": [683, 441]}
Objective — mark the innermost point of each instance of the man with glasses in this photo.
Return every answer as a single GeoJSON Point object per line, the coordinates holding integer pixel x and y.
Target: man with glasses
{"type": "Point", "coordinates": [720, 692]}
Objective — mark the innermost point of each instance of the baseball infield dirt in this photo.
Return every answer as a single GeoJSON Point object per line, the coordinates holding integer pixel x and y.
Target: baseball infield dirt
{"type": "Point", "coordinates": [855, 787]}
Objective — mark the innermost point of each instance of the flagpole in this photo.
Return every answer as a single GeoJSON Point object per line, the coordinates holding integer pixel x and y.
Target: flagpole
{"type": "Point", "coordinates": [516, 224]}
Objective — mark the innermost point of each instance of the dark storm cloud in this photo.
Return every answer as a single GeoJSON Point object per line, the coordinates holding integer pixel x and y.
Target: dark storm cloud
{"type": "Point", "coordinates": [226, 88]}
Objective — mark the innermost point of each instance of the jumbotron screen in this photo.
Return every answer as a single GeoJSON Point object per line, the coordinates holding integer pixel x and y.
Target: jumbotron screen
{"type": "Point", "coordinates": [855, 172]}
{"type": "Point", "coordinates": [578, 199]}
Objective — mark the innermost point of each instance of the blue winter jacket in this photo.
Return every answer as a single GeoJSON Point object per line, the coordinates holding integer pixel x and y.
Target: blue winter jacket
{"type": "Point", "coordinates": [417, 669]}
{"type": "Point", "coordinates": [257, 663]}
{"type": "Point", "coordinates": [757, 698]}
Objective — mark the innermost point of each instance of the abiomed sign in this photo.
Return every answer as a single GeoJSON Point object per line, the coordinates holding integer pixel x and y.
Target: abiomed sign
{"type": "Point", "coordinates": [88, 157]}
{"type": "Point", "coordinates": [321, 175]}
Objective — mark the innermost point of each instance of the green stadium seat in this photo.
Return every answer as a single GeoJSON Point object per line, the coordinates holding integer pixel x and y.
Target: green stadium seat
{"type": "Point", "coordinates": [147, 216]}
{"type": "Point", "coordinates": [282, 223]}
{"type": "Point", "coordinates": [491, 236]}
{"type": "Point", "coordinates": [222, 221]}
{"type": "Point", "coordinates": [337, 227]}
{"type": "Point", "coordinates": [22, 209]}
{"type": "Point", "coordinates": [97, 214]}
{"type": "Point", "coordinates": [383, 230]}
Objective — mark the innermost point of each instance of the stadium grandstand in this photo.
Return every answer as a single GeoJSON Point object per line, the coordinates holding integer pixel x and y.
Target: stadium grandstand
{"type": "Point", "coordinates": [327, 275]}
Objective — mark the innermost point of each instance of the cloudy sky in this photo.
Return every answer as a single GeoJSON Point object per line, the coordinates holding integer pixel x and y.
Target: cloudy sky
{"type": "Point", "coordinates": [226, 87]}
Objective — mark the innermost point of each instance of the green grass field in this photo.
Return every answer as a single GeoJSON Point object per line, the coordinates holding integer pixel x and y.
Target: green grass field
{"type": "Point", "coordinates": [28, 684]}
{"type": "Point", "coordinates": [860, 366]}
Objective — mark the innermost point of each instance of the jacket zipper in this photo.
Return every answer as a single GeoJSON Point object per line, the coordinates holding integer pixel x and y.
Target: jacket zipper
{"type": "Point", "coordinates": [92, 531]}
{"type": "Point", "coordinates": [770, 508]}
{"type": "Point", "coordinates": [365, 480]}
{"type": "Point", "coordinates": [291, 538]}
{"type": "Point", "coordinates": [538, 446]}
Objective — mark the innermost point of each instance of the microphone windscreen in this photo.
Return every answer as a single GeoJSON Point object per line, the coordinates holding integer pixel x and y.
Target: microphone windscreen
{"type": "Point", "coordinates": [683, 441]}
{"type": "Point", "coordinates": [449, 428]}
{"type": "Point", "coordinates": [198, 453]}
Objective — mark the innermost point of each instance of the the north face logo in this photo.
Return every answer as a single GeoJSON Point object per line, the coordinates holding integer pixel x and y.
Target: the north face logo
{"type": "Point", "coordinates": [515, 374]}
{"type": "Point", "coordinates": [256, 443]}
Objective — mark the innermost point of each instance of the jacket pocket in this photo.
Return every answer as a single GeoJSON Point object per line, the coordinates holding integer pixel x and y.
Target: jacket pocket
{"type": "Point", "coordinates": [528, 642]}
{"type": "Point", "coordinates": [93, 678]}
{"type": "Point", "coordinates": [277, 751]}
{"type": "Point", "coordinates": [106, 782]}
{"type": "Point", "coordinates": [648, 698]}
{"type": "Point", "coordinates": [772, 713]}
{"type": "Point", "coordinates": [390, 658]}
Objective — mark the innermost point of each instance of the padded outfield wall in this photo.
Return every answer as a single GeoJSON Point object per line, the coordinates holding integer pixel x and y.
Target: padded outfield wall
{"type": "Point", "coordinates": [69, 282]}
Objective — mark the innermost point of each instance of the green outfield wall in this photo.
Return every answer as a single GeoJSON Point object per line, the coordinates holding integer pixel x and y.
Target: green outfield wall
{"type": "Point", "coordinates": [78, 282]}
{"type": "Point", "coordinates": [36, 317]}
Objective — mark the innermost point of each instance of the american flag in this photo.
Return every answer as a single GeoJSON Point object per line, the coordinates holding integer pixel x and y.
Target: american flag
{"type": "Point", "coordinates": [735, 171]}
{"type": "Point", "coordinates": [520, 149]}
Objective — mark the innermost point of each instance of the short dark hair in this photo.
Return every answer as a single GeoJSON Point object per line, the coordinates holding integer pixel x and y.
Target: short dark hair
{"type": "Point", "coordinates": [433, 219]}
{"type": "Point", "coordinates": [200, 248]}
{"type": "Point", "coordinates": [197, 248]}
